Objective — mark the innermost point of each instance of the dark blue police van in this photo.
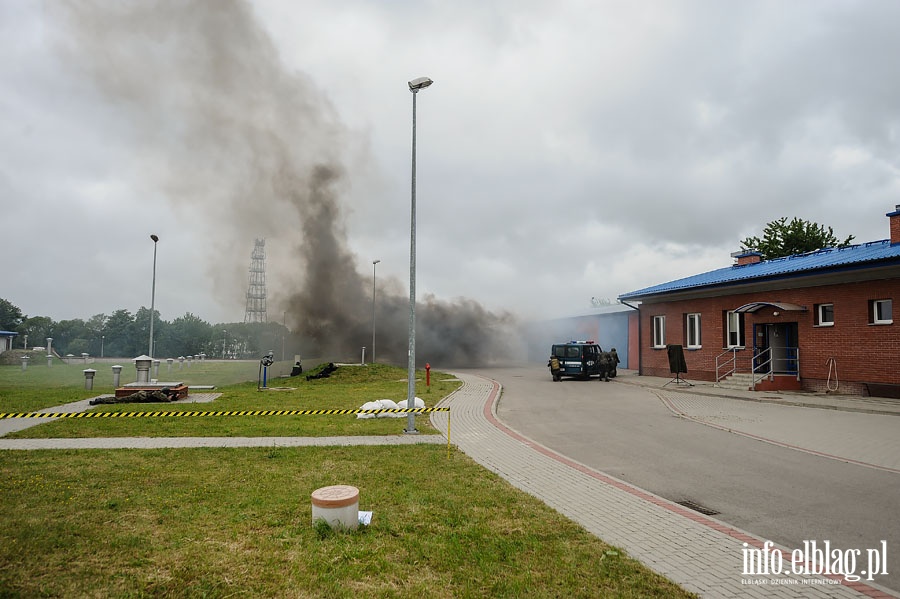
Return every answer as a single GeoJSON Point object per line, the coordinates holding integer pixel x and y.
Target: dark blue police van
{"type": "Point", "coordinates": [579, 359]}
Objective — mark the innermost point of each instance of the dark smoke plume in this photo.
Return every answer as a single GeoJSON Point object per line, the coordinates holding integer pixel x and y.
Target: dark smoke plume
{"type": "Point", "coordinates": [243, 148]}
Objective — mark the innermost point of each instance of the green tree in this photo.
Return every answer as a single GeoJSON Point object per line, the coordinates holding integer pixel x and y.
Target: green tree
{"type": "Point", "coordinates": [187, 335]}
{"type": "Point", "coordinates": [96, 324]}
{"type": "Point", "coordinates": [10, 316]}
{"type": "Point", "coordinates": [38, 328]}
{"type": "Point", "coordinates": [119, 341]}
{"type": "Point", "coordinates": [781, 238]}
{"type": "Point", "coordinates": [67, 331]}
{"type": "Point", "coordinates": [140, 330]}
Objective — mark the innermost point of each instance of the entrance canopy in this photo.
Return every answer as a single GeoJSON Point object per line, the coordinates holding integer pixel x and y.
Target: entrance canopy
{"type": "Point", "coordinates": [754, 306]}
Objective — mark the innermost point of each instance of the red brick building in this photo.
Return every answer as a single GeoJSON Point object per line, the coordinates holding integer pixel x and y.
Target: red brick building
{"type": "Point", "coordinates": [816, 321]}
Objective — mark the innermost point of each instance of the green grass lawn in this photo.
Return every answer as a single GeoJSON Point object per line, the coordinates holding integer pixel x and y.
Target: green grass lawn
{"type": "Point", "coordinates": [222, 522]}
{"type": "Point", "coordinates": [41, 386]}
{"type": "Point", "coordinates": [348, 388]}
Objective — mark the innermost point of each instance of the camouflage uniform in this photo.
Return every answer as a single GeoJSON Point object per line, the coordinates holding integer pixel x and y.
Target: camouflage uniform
{"type": "Point", "coordinates": [164, 395]}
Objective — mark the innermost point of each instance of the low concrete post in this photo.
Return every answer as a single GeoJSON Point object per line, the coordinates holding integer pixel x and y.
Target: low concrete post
{"type": "Point", "coordinates": [142, 364]}
{"type": "Point", "coordinates": [156, 369]}
{"type": "Point", "coordinates": [84, 357]}
{"type": "Point", "coordinates": [117, 375]}
{"type": "Point", "coordinates": [69, 358]}
{"type": "Point", "coordinates": [89, 378]}
{"type": "Point", "coordinates": [169, 364]}
{"type": "Point", "coordinates": [25, 363]}
{"type": "Point", "coordinates": [50, 345]}
{"type": "Point", "coordinates": [180, 362]}
{"type": "Point", "coordinates": [190, 359]}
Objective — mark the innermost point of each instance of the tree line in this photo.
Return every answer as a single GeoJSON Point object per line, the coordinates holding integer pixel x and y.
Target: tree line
{"type": "Point", "coordinates": [123, 334]}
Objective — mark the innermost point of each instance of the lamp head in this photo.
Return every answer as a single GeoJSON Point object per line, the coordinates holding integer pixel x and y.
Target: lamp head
{"type": "Point", "coordinates": [375, 261]}
{"type": "Point", "coordinates": [419, 83]}
{"type": "Point", "coordinates": [154, 238]}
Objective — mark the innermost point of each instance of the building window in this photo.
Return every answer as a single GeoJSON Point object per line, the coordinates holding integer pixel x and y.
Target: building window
{"type": "Point", "coordinates": [880, 312]}
{"type": "Point", "coordinates": [692, 334]}
{"type": "Point", "coordinates": [659, 331]}
{"type": "Point", "coordinates": [734, 329]}
{"type": "Point", "coordinates": [824, 315]}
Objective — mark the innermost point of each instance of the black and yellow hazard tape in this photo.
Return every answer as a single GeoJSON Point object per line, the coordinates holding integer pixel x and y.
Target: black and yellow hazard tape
{"type": "Point", "coordinates": [187, 414]}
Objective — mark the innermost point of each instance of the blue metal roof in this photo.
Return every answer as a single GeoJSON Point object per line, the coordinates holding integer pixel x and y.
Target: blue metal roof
{"type": "Point", "coordinates": [855, 256]}
{"type": "Point", "coordinates": [8, 333]}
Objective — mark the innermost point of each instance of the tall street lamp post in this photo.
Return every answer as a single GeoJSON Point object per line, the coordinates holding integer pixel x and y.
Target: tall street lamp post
{"type": "Point", "coordinates": [414, 86]}
{"type": "Point", "coordinates": [374, 262]}
{"type": "Point", "coordinates": [224, 339]}
{"type": "Point", "coordinates": [153, 293]}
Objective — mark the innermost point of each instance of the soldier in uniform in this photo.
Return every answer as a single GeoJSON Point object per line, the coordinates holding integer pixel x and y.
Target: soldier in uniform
{"type": "Point", "coordinates": [554, 368]}
{"type": "Point", "coordinates": [615, 362]}
{"type": "Point", "coordinates": [297, 369]}
{"type": "Point", "coordinates": [164, 395]}
{"type": "Point", "coordinates": [605, 361]}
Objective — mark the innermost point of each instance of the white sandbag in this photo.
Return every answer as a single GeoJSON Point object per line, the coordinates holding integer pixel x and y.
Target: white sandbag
{"type": "Point", "coordinates": [389, 404]}
{"type": "Point", "coordinates": [369, 405]}
{"type": "Point", "coordinates": [417, 403]}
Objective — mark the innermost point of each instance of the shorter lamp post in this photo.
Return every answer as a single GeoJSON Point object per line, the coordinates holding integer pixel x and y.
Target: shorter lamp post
{"type": "Point", "coordinates": [374, 262]}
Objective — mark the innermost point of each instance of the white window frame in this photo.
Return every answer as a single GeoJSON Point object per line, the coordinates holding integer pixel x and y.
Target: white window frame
{"type": "Point", "coordinates": [659, 331]}
{"type": "Point", "coordinates": [820, 315]}
{"type": "Point", "coordinates": [692, 332]}
{"type": "Point", "coordinates": [733, 326]}
{"type": "Point", "coordinates": [878, 315]}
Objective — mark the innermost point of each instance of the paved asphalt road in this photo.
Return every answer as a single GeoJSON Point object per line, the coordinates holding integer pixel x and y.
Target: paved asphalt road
{"type": "Point", "coordinates": [777, 493]}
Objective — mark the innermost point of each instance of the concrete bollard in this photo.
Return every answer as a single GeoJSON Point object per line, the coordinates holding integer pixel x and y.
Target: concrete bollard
{"type": "Point", "coordinates": [84, 357]}
{"type": "Point", "coordinates": [180, 362]}
{"type": "Point", "coordinates": [25, 363]}
{"type": "Point", "coordinates": [142, 365]}
{"type": "Point", "coordinates": [338, 505]}
{"type": "Point", "coordinates": [117, 374]}
{"type": "Point", "coordinates": [169, 364]}
{"type": "Point", "coordinates": [69, 358]}
{"type": "Point", "coordinates": [89, 378]}
{"type": "Point", "coordinates": [156, 369]}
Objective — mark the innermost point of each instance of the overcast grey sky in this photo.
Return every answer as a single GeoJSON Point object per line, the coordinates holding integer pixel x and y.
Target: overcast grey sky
{"type": "Point", "coordinates": [567, 149]}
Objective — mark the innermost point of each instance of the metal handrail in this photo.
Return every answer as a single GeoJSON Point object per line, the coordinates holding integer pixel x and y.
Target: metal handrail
{"type": "Point", "coordinates": [723, 364]}
{"type": "Point", "coordinates": [757, 367]}
{"type": "Point", "coordinates": [765, 368]}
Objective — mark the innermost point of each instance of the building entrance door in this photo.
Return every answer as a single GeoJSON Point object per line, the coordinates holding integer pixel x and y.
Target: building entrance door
{"type": "Point", "coordinates": [775, 348]}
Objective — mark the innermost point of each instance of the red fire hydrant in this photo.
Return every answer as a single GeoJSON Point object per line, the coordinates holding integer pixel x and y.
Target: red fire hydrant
{"type": "Point", "coordinates": [427, 374]}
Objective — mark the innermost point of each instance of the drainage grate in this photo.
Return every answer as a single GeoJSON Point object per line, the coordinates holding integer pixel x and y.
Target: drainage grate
{"type": "Point", "coordinates": [692, 505]}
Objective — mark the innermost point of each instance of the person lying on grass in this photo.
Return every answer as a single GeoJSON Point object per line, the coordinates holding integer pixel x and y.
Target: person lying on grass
{"type": "Point", "coordinates": [164, 395]}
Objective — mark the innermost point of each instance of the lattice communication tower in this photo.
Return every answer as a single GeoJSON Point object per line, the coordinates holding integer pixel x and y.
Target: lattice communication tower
{"type": "Point", "coordinates": [256, 291]}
